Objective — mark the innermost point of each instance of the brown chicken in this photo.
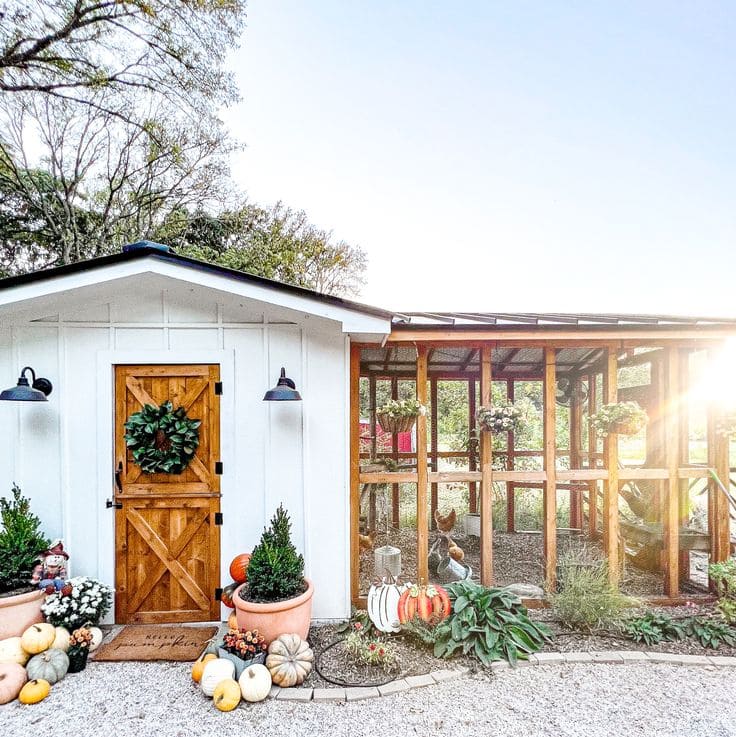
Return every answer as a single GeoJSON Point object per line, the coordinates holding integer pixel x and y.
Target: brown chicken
{"type": "Point", "coordinates": [456, 552]}
{"type": "Point", "coordinates": [365, 542]}
{"type": "Point", "coordinates": [447, 522]}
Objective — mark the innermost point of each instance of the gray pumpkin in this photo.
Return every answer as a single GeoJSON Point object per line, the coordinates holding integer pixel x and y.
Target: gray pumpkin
{"type": "Point", "coordinates": [51, 665]}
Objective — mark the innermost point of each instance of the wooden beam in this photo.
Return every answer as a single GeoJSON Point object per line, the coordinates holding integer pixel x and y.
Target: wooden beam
{"type": "Point", "coordinates": [486, 467]}
{"type": "Point", "coordinates": [671, 501]}
{"type": "Point", "coordinates": [576, 511]}
{"type": "Point", "coordinates": [611, 486]}
{"type": "Point", "coordinates": [422, 470]}
{"type": "Point", "coordinates": [549, 524]}
{"type": "Point", "coordinates": [395, 512]}
{"type": "Point", "coordinates": [473, 487]}
{"type": "Point", "coordinates": [372, 410]}
{"type": "Point", "coordinates": [592, 449]}
{"type": "Point", "coordinates": [354, 471]}
{"type": "Point", "coordinates": [510, 486]}
{"type": "Point", "coordinates": [433, 443]}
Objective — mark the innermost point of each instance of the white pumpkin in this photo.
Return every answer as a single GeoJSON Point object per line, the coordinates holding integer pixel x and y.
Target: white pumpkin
{"type": "Point", "coordinates": [97, 636]}
{"type": "Point", "coordinates": [61, 640]}
{"type": "Point", "coordinates": [383, 605]}
{"type": "Point", "coordinates": [12, 652]}
{"type": "Point", "coordinates": [255, 683]}
{"type": "Point", "coordinates": [215, 671]}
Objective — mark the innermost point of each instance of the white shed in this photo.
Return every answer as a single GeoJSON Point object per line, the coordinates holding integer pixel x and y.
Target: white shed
{"type": "Point", "coordinates": [115, 330]}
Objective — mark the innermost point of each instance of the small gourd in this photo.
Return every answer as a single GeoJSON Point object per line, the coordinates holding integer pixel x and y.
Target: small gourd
{"type": "Point", "coordinates": [50, 665]}
{"type": "Point", "coordinates": [12, 678]}
{"type": "Point", "coordinates": [11, 651]}
{"type": "Point", "coordinates": [215, 671]}
{"type": "Point", "coordinates": [226, 695]}
{"type": "Point", "coordinates": [289, 660]}
{"type": "Point", "coordinates": [61, 639]}
{"type": "Point", "coordinates": [199, 664]}
{"type": "Point", "coordinates": [255, 683]}
{"type": "Point", "coordinates": [97, 636]}
{"type": "Point", "coordinates": [34, 691]}
{"type": "Point", "coordinates": [232, 621]}
{"type": "Point", "coordinates": [38, 637]}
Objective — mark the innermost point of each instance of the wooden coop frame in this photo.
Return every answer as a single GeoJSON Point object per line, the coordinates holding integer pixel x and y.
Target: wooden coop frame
{"type": "Point", "coordinates": [601, 345]}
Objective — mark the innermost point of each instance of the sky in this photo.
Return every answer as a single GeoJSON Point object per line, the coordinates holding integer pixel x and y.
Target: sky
{"type": "Point", "coordinates": [528, 156]}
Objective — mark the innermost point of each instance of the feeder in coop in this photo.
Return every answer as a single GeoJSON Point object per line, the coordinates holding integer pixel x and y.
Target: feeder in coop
{"type": "Point", "coordinates": [387, 558]}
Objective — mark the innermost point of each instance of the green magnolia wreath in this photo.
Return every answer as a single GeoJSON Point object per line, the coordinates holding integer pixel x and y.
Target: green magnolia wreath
{"type": "Point", "coordinates": [162, 439]}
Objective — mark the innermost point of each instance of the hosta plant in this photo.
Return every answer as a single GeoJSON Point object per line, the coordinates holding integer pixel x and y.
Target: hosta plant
{"type": "Point", "coordinates": [723, 576]}
{"type": "Point", "coordinates": [489, 624]}
{"type": "Point", "coordinates": [652, 628]}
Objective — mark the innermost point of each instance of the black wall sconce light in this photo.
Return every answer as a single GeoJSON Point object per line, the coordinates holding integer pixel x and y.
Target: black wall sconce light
{"type": "Point", "coordinates": [284, 391]}
{"type": "Point", "coordinates": [36, 391]}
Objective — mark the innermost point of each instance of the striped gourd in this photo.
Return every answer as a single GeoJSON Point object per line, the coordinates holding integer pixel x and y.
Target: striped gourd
{"type": "Point", "coordinates": [383, 604]}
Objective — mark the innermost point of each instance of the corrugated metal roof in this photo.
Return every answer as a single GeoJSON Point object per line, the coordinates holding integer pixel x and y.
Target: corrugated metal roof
{"type": "Point", "coordinates": [526, 319]}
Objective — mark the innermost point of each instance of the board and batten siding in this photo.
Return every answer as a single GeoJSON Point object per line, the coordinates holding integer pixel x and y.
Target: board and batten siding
{"type": "Point", "coordinates": [295, 453]}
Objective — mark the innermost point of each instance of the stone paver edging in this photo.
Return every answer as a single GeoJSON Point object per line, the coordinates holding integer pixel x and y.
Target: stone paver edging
{"type": "Point", "coordinates": [411, 683]}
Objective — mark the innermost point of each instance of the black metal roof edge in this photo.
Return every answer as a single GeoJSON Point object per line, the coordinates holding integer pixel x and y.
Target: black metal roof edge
{"type": "Point", "coordinates": [204, 266]}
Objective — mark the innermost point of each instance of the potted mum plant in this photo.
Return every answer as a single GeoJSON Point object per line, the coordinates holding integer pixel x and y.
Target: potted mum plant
{"type": "Point", "coordinates": [276, 599]}
{"type": "Point", "coordinates": [84, 606]}
{"type": "Point", "coordinates": [20, 544]}
{"type": "Point", "coordinates": [399, 415]}
{"type": "Point", "coordinates": [622, 418]}
{"type": "Point", "coordinates": [244, 648]}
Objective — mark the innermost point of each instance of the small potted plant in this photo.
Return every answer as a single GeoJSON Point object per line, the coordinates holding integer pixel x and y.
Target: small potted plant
{"type": "Point", "coordinates": [20, 544]}
{"type": "Point", "coordinates": [244, 648]}
{"type": "Point", "coordinates": [500, 418]}
{"type": "Point", "coordinates": [399, 415]}
{"type": "Point", "coordinates": [79, 642]}
{"type": "Point", "coordinates": [83, 602]}
{"type": "Point", "coordinates": [622, 418]}
{"type": "Point", "coordinates": [276, 599]}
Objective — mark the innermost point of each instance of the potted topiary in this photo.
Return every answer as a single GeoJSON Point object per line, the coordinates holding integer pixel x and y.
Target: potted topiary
{"type": "Point", "coordinates": [20, 544]}
{"type": "Point", "coordinates": [276, 599]}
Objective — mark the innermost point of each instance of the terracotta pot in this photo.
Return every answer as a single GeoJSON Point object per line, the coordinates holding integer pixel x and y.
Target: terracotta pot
{"type": "Point", "coordinates": [19, 612]}
{"type": "Point", "coordinates": [291, 616]}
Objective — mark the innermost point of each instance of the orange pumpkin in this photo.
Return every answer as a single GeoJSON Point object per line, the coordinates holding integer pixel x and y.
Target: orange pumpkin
{"type": "Point", "coordinates": [198, 667]}
{"type": "Point", "coordinates": [429, 603]}
{"type": "Point", "coordinates": [239, 568]}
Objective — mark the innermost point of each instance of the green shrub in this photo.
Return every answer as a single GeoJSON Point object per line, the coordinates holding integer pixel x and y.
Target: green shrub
{"type": "Point", "coordinates": [487, 623]}
{"type": "Point", "coordinates": [723, 576]}
{"type": "Point", "coordinates": [585, 598]}
{"type": "Point", "coordinates": [711, 632]}
{"type": "Point", "coordinates": [276, 570]}
{"type": "Point", "coordinates": [20, 542]}
{"type": "Point", "coordinates": [652, 628]}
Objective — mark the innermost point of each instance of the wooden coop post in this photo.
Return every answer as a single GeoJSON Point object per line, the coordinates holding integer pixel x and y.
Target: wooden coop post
{"type": "Point", "coordinates": [684, 453]}
{"type": "Point", "coordinates": [549, 526]}
{"type": "Point", "coordinates": [395, 512]}
{"type": "Point", "coordinates": [611, 484]}
{"type": "Point", "coordinates": [671, 505]}
{"type": "Point", "coordinates": [434, 501]}
{"type": "Point", "coordinates": [510, 461]}
{"type": "Point", "coordinates": [592, 450]}
{"type": "Point", "coordinates": [486, 467]}
{"type": "Point", "coordinates": [576, 502]}
{"type": "Point", "coordinates": [473, 487]}
{"type": "Point", "coordinates": [422, 470]}
{"type": "Point", "coordinates": [354, 471]}
{"type": "Point", "coordinates": [372, 410]}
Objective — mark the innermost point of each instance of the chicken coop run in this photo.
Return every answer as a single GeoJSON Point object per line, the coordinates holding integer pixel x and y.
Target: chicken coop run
{"type": "Point", "coordinates": [449, 500]}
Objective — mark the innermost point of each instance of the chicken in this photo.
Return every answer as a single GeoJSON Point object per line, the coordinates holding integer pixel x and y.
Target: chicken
{"type": "Point", "coordinates": [456, 552]}
{"type": "Point", "coordinates": [447, 522]}
{"type": "Point", "coordinates": [365, 542]}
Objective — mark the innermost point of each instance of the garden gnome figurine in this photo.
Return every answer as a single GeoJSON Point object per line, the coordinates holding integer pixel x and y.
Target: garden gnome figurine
{"type": "Point", "coordinates": [50, 572]}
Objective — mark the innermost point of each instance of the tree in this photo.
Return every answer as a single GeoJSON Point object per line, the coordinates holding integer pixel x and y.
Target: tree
{"type": "Point", "coordinates": [75, 49]}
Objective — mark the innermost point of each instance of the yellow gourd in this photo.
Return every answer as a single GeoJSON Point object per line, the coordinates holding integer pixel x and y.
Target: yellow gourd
{"type": "Point", "coordinates": [34, 691]}
{"type": "Point", "coordinates": [227, 695]}
{"type": "Point", "coordinates": [38, 637]}
{"type": "Point", "coordinates": [199, 664]}
{"type": "Point", "coordinates": [11, 651]}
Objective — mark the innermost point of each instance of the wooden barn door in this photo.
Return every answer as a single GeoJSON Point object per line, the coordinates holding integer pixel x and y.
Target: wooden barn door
{"type": "Point", "coordinates": [167, 540]}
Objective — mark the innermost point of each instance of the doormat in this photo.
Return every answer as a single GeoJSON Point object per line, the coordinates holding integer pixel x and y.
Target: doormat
{"type": "Point", "coordinates": [154, 642]}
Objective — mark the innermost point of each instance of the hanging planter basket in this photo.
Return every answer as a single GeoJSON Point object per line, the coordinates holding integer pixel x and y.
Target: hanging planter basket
{"type": "Point", "coordinates": [628, 427]}
{"type": "Point", "coordinates": [395, 425]}
{"type": "Point", "coordinates": [620, 418]}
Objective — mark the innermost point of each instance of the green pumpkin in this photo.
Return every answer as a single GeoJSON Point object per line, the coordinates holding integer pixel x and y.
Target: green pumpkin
{"type": "Point", "coordinates": [50, 665]}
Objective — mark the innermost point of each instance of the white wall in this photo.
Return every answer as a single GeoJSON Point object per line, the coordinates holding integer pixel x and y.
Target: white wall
{"type": "Point", "coordinates": [295, 453]}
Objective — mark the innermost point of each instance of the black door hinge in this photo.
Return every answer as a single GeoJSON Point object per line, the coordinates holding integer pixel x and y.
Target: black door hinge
{"type": "Point", "coordinates": [218, 518]}
{"type": "Point", "coordinates": [218, 468]}
{"type": "Point", "coordinates": [218, 594]}
{"type": "Point", "coordinates": [218, 387]}
{"type": "Point", "coordinates": [110, 504]}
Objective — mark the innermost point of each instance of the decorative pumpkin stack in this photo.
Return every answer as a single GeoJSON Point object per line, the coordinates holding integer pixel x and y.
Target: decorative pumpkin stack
{"type": "Point", "coordinates": [42, 649]}
{"type": "Point", "coordinates": [239, 574]}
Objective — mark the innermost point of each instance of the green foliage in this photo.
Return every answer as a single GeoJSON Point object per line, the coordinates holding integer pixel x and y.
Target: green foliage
{"type": "Point", "coordinates": [276, 570]}
{"type": "Point", "coordinates": [723, 576]}
{"type": "Point", "coordinates": [653, 628]}
{"type": "Point", "coordinates": [585, 598]}
{"type": "Point", "coordinates": [20, 542]}
{"type": "Point", "coordinates": [368, 649]}
{"type": "Point", "coordinates": [489, 624]}
{"type": "Point", "coordinates": [711, 632]}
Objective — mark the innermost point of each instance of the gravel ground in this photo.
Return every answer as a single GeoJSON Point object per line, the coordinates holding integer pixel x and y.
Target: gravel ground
{"type": "Point", "coordinates": [159, 699]}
